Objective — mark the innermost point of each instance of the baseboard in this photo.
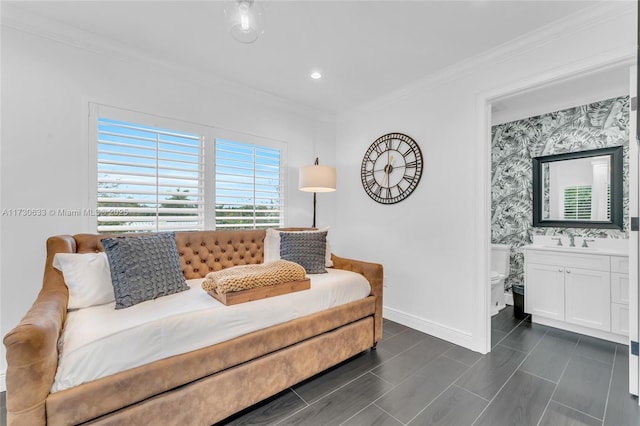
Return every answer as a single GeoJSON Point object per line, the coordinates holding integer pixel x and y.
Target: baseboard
{"type": "Point", "coordinates": [459, 337]}
{"type": "Point", "coordinates": [605, 335]}
{"type": "Point", "coordinates": [3, 384]}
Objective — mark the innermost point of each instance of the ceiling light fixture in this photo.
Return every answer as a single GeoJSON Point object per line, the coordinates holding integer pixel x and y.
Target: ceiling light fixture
{"type": "Point", "coordinates": [316, 75]}
{"type": "Point", "coordinates": [245, 19]}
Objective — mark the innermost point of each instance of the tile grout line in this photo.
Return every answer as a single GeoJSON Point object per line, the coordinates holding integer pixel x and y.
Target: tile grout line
{"type": "Point", "coordinates": [472, 393]}
{"type": "Point", "coordinates": [367, 406]}
{"type": "Point", "coordinates": [309, 404]}
{"type": "Point", "coordinates": [578, 411]}
{"type": "Point", "coordinates": [290, 415]}
{"type": "Point", "coordinates": [514, 349]}
{"type": "Point", "coordinates": [298, 395]}
{"type": "Point", "coordinates": [539, 377]}
{"type": "Point", "coordinates": [347, 383]}
{"type": "Point", "coordinates": [392, 335]}
{"type": "Point", "coordinates": [596, 360]}
{"type": "Point", "coordinates": [436, 398]}
{"type": "Point", "coordinates": [393, 385]}
{"type": "Point", "coordinates": [369, 371]}
{"type": "Point", "coordinates": [414, 373]}
{"type": "Point", "coordinates": [388, 413]}
{"type": "Point", "coordinates": [606, 402]}
{"type": "Point", "coordinates": [593, 359]}
{"type": "Point", "coordinates": [457, 360]}
{"type": "Point", "coordinates": [514, 371]}
{"type": "Point", "coordinates": [559, 380]}
{"type": "Point", "coordinates": [511, 331]}
{"type": "Point", "coordinates": [453, 383]}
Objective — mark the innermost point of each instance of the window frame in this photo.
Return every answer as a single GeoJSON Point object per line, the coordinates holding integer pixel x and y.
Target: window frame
{"type": "Point", "coordinates": [256, 190]}
{"type": "Point", "coordinates": [208, 136]}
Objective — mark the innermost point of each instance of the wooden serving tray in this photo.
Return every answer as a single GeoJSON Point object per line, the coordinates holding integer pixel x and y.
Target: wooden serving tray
{"type": "Point", "coordinates": [242, 296]}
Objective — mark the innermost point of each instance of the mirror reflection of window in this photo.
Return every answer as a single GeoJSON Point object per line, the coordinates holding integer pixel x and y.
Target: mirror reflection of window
{"type": "Point", "coordinates": [577, 189]}
{"type": "Point", "coordinates": [577, 203]}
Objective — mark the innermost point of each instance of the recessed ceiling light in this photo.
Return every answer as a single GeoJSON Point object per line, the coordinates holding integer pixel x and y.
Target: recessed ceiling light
{"type": "Point", "coordinates": [316, 75]}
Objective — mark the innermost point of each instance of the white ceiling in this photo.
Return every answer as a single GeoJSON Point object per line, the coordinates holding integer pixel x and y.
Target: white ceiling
{"type": "Point", "coordinates": [364, 49]}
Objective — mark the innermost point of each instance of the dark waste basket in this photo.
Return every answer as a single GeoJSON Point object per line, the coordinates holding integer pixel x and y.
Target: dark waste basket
{"type": "Point", "coordinates": [518, 300]}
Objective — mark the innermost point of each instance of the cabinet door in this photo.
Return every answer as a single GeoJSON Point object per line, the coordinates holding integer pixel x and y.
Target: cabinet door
{"type": "Point", "coordinates": [619, 288]}
{"type": "Point", "coordinates": [588, 298]}
{"type": "Point", "coordinates": [620, 319]}
{"type": "Point", "coordinates": [620, 264]}
{"type": "Point", "coordinates": [544, 291]}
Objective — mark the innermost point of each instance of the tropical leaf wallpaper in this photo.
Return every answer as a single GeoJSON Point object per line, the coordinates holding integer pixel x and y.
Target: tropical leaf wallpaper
{"type": "Point", "coordinates": [513, 145]}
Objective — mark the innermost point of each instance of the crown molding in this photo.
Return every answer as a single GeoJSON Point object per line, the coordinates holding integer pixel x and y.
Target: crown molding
{"type": "Point", "coordinates": [599, 14]}
{"type": "Point", "coordinates": [20, 20]}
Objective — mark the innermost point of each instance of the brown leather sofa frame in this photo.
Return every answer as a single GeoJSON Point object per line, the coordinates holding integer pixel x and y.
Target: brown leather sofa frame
{"type": "Point", "coordinates": [196, 388]}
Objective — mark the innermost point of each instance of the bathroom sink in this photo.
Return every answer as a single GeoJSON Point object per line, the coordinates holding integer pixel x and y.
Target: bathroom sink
{"type": "Point", "coordinates": [571, 248]}
{"type": "Point", "coordinates": [574, 249]}
{"type": "Point", "coordinates": [600, 246]}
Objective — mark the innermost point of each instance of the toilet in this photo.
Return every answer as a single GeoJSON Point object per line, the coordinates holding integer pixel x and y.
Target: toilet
{"type": "Point", "coordinates": [500, 266]}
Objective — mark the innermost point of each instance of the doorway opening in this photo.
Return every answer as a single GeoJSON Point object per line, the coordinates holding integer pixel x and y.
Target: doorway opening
{"type": "Point", "coordinates": [532, 99]}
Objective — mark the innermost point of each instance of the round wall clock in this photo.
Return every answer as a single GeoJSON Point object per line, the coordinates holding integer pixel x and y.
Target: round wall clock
{"type": "Point", "coordinates": [391, 168]}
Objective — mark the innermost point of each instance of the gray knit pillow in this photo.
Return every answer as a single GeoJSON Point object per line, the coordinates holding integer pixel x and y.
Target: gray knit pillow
{"type": "Point", "coordinates": [306, 249]}
{"type": "Point", "coordinates": [144, 268]}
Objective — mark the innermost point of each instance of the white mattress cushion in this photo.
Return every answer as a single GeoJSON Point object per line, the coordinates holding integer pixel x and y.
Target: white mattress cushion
{"type": "Point", "coordinates": [99, 341]}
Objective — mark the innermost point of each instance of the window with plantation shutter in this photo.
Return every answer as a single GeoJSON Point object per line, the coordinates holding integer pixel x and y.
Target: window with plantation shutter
{"type": "Point", "coordinates": [249, 186]}
{"type": "Point", "coordinates": [159, 174]}
{"type": "Point", "coordinates": [149, 179]}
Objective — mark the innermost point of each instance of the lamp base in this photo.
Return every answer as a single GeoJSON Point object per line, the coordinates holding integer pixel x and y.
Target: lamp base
{"type": "Point", "coordinates": [314, 210]}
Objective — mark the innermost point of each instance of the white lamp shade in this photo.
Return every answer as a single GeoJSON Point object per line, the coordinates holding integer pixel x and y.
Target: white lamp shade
{"type": "Point", "coordinates": [317, 179]}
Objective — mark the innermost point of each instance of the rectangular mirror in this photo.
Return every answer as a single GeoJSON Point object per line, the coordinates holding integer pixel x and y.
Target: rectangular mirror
{"type": "Point", "coordinates": [578, 189]}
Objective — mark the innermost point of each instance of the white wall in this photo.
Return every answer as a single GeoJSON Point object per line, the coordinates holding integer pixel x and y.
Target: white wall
{"type": "Point", "coordinates": [591, 87]}
{"type": "Point", "coordinates": [432, 245]}
{"type": "Point", "coordinates": [45, 89]}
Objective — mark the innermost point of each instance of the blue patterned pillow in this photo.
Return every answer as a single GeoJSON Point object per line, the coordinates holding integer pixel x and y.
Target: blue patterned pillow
{"type": "Point", "coordinates": [144, 268]}
{"type": "Point", "coordinates": [306, 249]}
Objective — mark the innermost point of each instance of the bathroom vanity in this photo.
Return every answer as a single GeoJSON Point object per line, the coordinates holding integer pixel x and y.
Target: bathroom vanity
{"type": "Point", "coordinates": [581, 289]}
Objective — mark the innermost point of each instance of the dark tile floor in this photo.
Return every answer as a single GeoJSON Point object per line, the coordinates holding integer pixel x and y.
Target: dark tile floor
{"type": "Point", "coordinates": [534, 375]}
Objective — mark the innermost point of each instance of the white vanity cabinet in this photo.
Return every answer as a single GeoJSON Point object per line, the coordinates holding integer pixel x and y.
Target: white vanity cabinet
{"type": "Point", "coordinates": [585, 292]}
{"type": "Point", "coordinates": [587, 298]}
{"type": "Point", "coordinates": [620, 295]}
{"type": "Point", "coordinates": [546, 297]}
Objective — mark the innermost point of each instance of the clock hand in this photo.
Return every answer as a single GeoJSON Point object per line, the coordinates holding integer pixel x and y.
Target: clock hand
{"type": "Point", "coordinates": [387, 169]}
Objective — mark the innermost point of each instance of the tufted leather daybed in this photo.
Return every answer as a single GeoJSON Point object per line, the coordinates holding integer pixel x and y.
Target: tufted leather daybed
{"type": "Point", "coordinates": [195, 388]}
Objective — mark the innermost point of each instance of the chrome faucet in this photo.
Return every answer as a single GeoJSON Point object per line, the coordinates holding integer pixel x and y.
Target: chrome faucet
{"type": "Point", "coordinates": [585, 241]}
{"type": "Point", "coordinates": [572, 242]}
{"type": "Point", "coordinates": [559, 240]}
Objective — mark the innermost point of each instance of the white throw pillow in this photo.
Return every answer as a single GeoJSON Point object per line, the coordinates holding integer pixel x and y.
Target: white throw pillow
{"type": "Point", "coordinates": [87, 276]}
{"type": "Point", "coordinates": [272, 246]}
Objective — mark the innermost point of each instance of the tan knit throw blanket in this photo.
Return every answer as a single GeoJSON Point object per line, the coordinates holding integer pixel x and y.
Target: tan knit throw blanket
{"type": "Point", "coordinates": [246, 277]}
